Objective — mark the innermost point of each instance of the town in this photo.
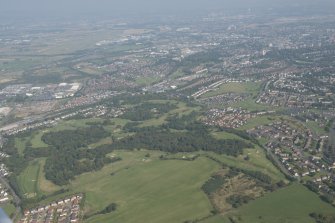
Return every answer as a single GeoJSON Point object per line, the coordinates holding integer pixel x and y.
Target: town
{"type": "Point", "coordinates": [265, 88]}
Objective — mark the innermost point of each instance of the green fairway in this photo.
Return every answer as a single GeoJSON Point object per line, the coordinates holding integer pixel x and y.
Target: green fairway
{"type": "Point", "coordinates": [251, 105]}
{"type": "Point", "coordinates": [147, 189]}
{"type": "Point", "coordinates": [28, 179]}
{"type": "Point", "coordinates": [182, 109]}
{"type": "Point", "coordinates": [257, 162]}
{"type": "Point", "coordinates": [226, 135]}
{"type": "Point", "coordinates": [45, 185]}
{"type": "Point", "coordinates": [289, 205]}
{"type": "Point", "coordinates": [248, 87]}
{"type": "Point", "coordinates": [145, 81]}
{"type": "Point", "coordinates": [36, 141]}
{"type": "Point", "coordinates": [20, 144]}
{"type": "Point", "coordinates": [260, 120]}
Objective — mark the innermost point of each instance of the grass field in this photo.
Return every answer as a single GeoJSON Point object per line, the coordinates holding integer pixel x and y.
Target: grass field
{"type": "Point", "coordinates": [36, 141]}
{"type": "Point", "coordinates": [248, 87]}
{"type": "Point", "coordinates": [250, 105]}
{"type": "Point", "coordinates": [226, 135]}
{"type": "Point", "coordinates": [257, 158]}
{"type": "Point", "coordinates": [260, 120]}
{"type": "Point", "coordinates": [289, 205]}
{"type": "Point", "coordinates": [257, 162]}
{"type": "Point", "coordinates": [45, 186]}
{"type": "Point", "coordinates": [149, 191]}
{"type": "Point", "coordinates": [146, 189]}
{"type": "Point", "coordinates": [32, 180]}
{"type": "Point", "coordinates": [145, 81]}
{"type": "Point", "coordinates": [28, 179]}
{"type": "Point", "coordinates": [20, 144]}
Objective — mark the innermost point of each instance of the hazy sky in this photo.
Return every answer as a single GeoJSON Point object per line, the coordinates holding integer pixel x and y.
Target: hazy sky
{"type": "Point", "coordinates": [77, 7]}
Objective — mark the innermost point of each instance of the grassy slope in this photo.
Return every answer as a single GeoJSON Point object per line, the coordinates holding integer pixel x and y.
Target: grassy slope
{"type": "Point", "coordinates": [257, 162]}
{"type": "Point", "coordinates": [20, 144]}
{"type": "Point", "coordinates": [45, 185]}
{"type": "Point", "coordinates": [257, 159]}
{"type": "Point", "coordinates": [289, 205]}
{"type": "Point", "coordinates": [28, 179]}
{"type": "Point", "coordinates": [36, 140]}
{"type": "Point", "coordinates": [147, 191]}
{"type": "Point", "coordinates": [32, 180]}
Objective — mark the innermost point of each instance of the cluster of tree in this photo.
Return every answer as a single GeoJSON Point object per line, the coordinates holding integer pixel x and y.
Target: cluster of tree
{"type": "Point", "coordinates": [183, 122]}
{"type": "Point", "coordinates": [63, 166]}
{"type": "Point", "coordinates": [326, 197]}
{"type": "Point", "coordinates": [320, 218]}
{"type": "Point", "coordinates": [242, 134]}
{"type": "Point", "coordinates": [213, 184]}
{"type": "Point", "coordinates": [32, 153]}
{"type": "Point", "coordinates": [110, 208]}
{"type": "Point", "coordinates": [258, 176]}
{"type": "Point", "coordinates": [147, 111]}
{"type": "Point", "coordinates": [329, 125]}
{"type": "Point", "coordinates": [75, 138]}
{"type": "Point", "coordinates": [190, 141]}
{"type": "Point", "coordinates": [66, 159]}
{"type": "Point", "coordinates": [237, 200]}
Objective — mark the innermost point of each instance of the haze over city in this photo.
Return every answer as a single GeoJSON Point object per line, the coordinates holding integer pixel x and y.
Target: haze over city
{"type": "Point", "coordinates": [179, 111]}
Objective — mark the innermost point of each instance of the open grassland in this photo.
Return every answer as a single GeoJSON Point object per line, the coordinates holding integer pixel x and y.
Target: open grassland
{"type": "Point", "coordinates": [146, 189]}
{"type": "Point", "coordinates": [248, 87]}
{"type": "Point", "coordinates": [28, 179]}
{"type": "Point", "coordinates": [145, 81]}
{"type": "Point", "coordinates": [226, 135]}
{"type": "Point", "coordinates": [250, 105]}
{"type": "Point", "coordinates": [151, 191]}
{"type": "Point", "coordinates": [258, 121]}
{"type": "Point", "coordinates": [36, 141]}
{"type": "Point", "coordinates": [45, 185]}
{"type": "Point", "coordinates": [32, 180]}
{"type": "Point", "coordinates": [20, 144]}
{"type": "Point", "coordinates": [289, 205]}
{"type": "Point", "coordinates": [257, 162]}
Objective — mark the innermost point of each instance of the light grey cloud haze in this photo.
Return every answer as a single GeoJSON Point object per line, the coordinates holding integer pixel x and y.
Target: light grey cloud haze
{"type": "Point", "coordinates": [110, 7]}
